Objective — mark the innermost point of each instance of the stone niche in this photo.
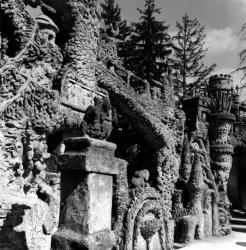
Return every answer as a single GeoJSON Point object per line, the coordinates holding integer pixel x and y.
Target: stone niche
{"type": "Point", "coordinates": [145, 222]}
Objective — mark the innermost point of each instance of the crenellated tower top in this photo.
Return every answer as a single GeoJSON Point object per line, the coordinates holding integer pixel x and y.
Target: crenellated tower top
{"type": "Point", "coordinates": [220, 91]}
{"type": "Point", "coordinates": [220, 82]}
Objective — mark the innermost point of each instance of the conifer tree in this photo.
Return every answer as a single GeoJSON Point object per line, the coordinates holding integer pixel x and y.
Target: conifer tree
{"type": "Point", "coordinates": [189, 52]}
{"type": "Point", "coordinates": [147, 48]}
{"type": "Point", "coordinates": [111, 14]}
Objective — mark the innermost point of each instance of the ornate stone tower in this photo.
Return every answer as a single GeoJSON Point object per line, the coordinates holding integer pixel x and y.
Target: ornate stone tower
{"type": "Point", "coordinates": [220, 124]}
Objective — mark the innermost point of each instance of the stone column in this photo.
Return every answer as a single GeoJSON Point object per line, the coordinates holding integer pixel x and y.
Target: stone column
{"type": "Point", "coordinates": [221, 151]}
{"type": "Point", "coordinates": [87, 169]}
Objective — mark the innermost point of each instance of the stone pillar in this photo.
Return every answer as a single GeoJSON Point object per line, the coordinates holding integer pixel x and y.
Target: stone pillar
{"type": "Point", "coordinates": [221, 151]}
{"type": "Point", "coordinates": [87, 169]}
{"type": "Point", "coordinates": [221, 157]}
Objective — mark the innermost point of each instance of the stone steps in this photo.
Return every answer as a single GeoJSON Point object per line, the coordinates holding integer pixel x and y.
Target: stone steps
{"type": "Point", "coordinates": [238, 221]}
{"type": "Point", "coordinates": [238, 213]}
{"type": "Point", "coordinates": [239, 228]}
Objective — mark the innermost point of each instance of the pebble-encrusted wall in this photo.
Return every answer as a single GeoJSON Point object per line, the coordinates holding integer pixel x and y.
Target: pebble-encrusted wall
{"type": "Point", "coordinates": [59, 74]}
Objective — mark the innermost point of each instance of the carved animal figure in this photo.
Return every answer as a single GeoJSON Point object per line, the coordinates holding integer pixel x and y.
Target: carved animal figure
{"type": "Point", "coordinates": [140, 178]}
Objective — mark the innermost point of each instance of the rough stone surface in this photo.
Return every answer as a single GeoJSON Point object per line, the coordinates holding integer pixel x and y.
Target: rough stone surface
{"type": "Point", "coordinates": [61, 79]}
{"type": "Point", "coordinates": [86, 192]}
{"type": "Point", "coordinates": [221, 122]}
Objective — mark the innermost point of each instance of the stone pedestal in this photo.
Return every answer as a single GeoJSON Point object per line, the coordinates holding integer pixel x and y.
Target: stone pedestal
{"type": "Point", "coordinates": [87, 169]}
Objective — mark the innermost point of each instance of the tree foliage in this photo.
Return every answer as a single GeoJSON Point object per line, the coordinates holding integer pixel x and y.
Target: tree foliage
{"type": "Point", "coordinates": [242, 55]}
{"type": "Point", "coordinates": [111, 14]}
{"type": "Point", "coordinates": [147, 49]}
{"type": "Point", "coordinates": [189, 52]}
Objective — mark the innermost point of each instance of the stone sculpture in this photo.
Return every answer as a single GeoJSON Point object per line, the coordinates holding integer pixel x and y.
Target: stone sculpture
{"type": "Point", "coordinates": [26, 109]}
{"type": "Point", "coordinates": [97, 122]}
{"type": "Point", "coordinates": [62, 84]}
{"type": "Point", "coordinates": [140, 178]}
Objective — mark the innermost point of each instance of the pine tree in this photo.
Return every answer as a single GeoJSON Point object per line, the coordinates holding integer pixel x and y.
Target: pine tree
{"type": "Point", "coordinates": [147, 48]}
{"type": "Point", "coordinates": [111, 14]}
{"type": "Point", "coordinates": [189, 52]}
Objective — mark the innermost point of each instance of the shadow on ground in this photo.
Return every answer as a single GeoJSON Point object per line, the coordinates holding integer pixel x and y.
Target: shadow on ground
{"type": "Point", "coordinates": [9, 238]}
{"type": "Point", "coordinates": [242, 244]}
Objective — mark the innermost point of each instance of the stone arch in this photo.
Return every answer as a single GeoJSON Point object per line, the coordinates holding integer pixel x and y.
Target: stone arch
{"type": "Point", "coordinates": [145, 224]}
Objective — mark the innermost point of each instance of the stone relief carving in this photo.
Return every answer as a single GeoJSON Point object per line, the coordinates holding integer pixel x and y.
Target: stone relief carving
{"type": "Point", "coordinates": [180, 193]}
{"type": "Point", "coordinates": [26, 78]}
{"type": "Point", "coordinates": [140, 178]}
{"type": "Point", "coordinates": [97, 120]}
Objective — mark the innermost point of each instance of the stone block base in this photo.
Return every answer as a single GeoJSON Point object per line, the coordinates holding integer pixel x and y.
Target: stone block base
{"type": "Point", "coordinates": [70, 240]}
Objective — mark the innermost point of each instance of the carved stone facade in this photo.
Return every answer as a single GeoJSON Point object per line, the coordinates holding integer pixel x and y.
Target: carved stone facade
{"type": "Point", "coordinates": [201, 205]}
{"type": "Point", "coordinates": [64, 93]}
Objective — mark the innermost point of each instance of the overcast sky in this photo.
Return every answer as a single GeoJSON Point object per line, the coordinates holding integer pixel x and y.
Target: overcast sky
{"type": "Point", "coordinates": [223, 20]}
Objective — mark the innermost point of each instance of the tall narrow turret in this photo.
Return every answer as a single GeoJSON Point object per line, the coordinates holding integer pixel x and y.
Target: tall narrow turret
{"type": "Point", "coordinates": [221, 120]}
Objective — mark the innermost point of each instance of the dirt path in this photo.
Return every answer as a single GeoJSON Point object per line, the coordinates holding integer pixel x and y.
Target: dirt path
{"type": "Point", "coordinates": [234, 241]}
